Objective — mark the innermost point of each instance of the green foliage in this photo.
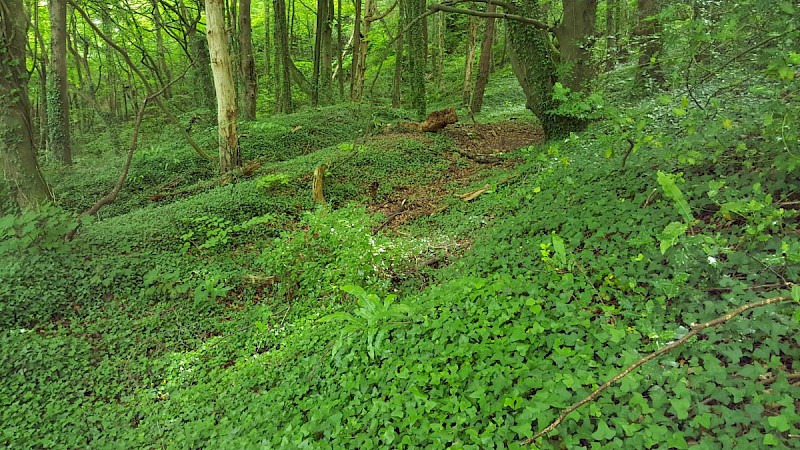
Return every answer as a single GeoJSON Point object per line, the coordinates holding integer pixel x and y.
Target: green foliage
{"type": "Point", "coordinates": [331, 249]}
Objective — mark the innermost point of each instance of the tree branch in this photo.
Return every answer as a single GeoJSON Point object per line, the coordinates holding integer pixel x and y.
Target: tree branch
{"type": "Point", "coordinates": [496, 15]}
{"type": "Point", "coordinates": [697, 329]}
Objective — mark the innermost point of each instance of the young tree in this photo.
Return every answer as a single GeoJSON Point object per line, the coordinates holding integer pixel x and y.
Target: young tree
{"type": "Point", "coordinates": [227, 112]}
{"type": "Point", "coordinates": [25, 185]}
{"type": "Point", "coordinates": [57, 99]}
{"type": "Point", "coordinates": [484, 63]}
{"type": "Point", "coordinates": [469, 62]}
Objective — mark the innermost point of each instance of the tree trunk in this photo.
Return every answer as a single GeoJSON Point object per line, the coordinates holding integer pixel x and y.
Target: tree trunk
{"type": "Point", "coordinates": [360, 55]}
{"type": "Point", "coordinates": [535, 70]}
{"type": "Point", "coordinates": [283, 73]}
{"type": "Point", "coordinates": [439, 69]}
{"type": "Point", "coordinates": [247, 62]}
{"type": "Point", "coordinates": [42, 65]}
{"type": "Point", "coordinates": [227, 113]}
{"type": "Point", "coordinates": [484, 63]}
{"type": "Point", "coordinates": [648, 31]}
{"type": "Point", "coordinates": [575, 34]}
{"type": "Point", "coordinates": [267, 45]}
{"type": "Point", "coordinates": [611, 33]}
{"type": "Point", "coordinates": [357, 35]}
{"type": "Point", "coordinates": [410, 10]}
{"type": "Point", "coordinates": [340, 48]}
{"type": "Point", "coordinates": [161, 58]}
{"type": "Point", "coordinates": [397, 80]}
{"type": "Point", "coordinates": [322, 53]}
{"type": "Point", "coordinates": [469, 62]}
{"type": "Point", "coordinates": [57, 99]}
{"type": "Point", "coordinates": [22, 181]}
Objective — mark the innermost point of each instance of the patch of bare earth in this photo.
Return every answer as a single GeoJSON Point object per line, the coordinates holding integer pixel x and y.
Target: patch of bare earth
{"type": "Point", "coordinates": [482, 148]}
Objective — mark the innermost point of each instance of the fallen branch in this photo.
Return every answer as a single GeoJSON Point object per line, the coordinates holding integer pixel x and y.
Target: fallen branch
{"type": "Point", "coordinates": [697, 329]}
{"type": "Point", "coordinates": [391, 217]}
{"type": "Point", "coordinates": [475, 194]}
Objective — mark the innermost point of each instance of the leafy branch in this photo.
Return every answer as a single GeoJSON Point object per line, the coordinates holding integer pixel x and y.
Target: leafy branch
{"type": "Point", "coordinates": [697, 329]}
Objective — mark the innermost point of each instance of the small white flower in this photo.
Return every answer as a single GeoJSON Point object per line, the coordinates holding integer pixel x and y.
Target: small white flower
{"type": "Point", "coordinates": [712, 261]}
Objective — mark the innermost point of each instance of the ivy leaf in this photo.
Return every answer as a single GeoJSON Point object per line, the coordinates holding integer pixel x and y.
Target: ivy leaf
{"type": "Point", "coordinates": [603, 432]}
{"type": "Point", "coordinates": [780, 423]}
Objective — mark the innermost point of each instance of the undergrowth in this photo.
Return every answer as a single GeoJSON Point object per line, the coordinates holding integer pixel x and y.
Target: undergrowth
{"type": "Point", "coordinates": [243, 315]}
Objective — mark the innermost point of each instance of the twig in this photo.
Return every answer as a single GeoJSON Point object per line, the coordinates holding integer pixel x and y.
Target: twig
{"type": "Point", "coordinates": [760, 287]}
{"type": "Point", "coordinates": [697, 329]}
{"type": "Point", "coordinates": [391, 217]}
{"type": "Point", "coordinates": [647, 202]}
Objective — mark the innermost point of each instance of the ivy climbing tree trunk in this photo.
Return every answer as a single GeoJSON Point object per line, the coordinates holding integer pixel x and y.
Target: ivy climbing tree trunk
{"type": "Point", "coordinates": [531, 59]}
{"type": "Point", "coordinates": [484, 62]}
{"type": "Point", "coordinates": [227, 112]}
{"type": "Point", "coordinates": [22, 181]}
{"type": "Point", "coordinates": [57, 99]}
{"type": "Point", "coordinates": [247, 63]}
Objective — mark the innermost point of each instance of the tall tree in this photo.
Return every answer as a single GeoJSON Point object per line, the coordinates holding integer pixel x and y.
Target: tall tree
{"type": "Point", "coordinates": [161, 56]}
{"type": "Point", "coordinates": [360, 51]}
{"type": "Point", "coordinates": [321, 79]}
{"type": "Point", "coordinates": [57, 98]}
{"type": "Point", "coordinates": [283, 69]}
{"type": "Point", "coordinates": [227, 112]}
{"type": "Point", "coordinates": [247, 62]}
{"type": "Point", "coordinates": [23, 180]}
{"type": "Point", "coordinates": [410, 11]}
{"type": "Point", "coordinates": [484, 62]}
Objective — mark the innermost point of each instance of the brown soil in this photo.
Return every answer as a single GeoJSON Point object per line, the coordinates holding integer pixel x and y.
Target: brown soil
{"type": "Point", "coordinates": [482, 149]}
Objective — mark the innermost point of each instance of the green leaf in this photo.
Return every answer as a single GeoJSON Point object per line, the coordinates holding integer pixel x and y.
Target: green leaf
{"type": "Point", "coordinates": [560, 249]}
{"type": "Point", "coordinates": [681, 406]}
{"type": "Point", "coordinates": [603, 432]}
{"type": "Point", "coordinates": [796, 292]}
{"type": "Point", "coordinates": [780, 423]}
{"type": "Point", "coordinates": [670, 235]}
{"type": "Point", "coordinates": [671, 190]}
{"type": "Point", "coordinates": [770, 439]}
